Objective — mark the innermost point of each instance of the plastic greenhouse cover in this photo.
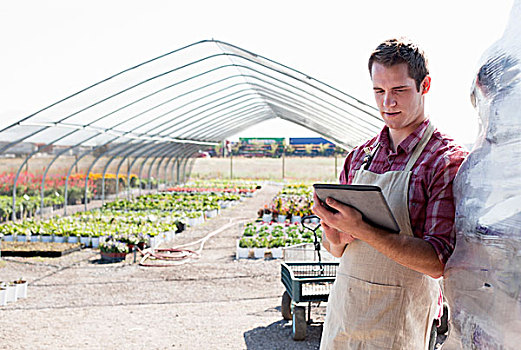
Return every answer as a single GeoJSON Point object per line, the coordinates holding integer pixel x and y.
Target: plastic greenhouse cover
{"type": "Point", "coordinates": [200, 94]}
{"type": "Point", "coordinates": [483, 276]}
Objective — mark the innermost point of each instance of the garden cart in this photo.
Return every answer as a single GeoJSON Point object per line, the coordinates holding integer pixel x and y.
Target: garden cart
{"type": "Point", "coordinates": [305, 282]}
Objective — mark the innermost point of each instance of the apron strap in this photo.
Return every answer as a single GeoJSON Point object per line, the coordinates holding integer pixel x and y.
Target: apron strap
{"type": "Point", "coordinates": [420, 147]}
{"type": "Point", "coordinates": [369, 155]}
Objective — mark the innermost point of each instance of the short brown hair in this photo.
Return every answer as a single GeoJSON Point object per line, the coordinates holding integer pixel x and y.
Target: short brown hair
{"type": "Point", "coordinates": [396, 51]}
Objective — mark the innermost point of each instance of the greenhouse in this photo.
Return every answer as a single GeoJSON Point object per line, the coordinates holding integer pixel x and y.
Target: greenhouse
{"type": "Point", "coordinates": [152, 119]}
{"type": "Point", "coordinates": [106, 174]}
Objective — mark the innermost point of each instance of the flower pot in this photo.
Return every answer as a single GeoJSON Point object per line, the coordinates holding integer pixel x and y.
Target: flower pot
{"type": "Point", "coordinates": [3, 296]}
{"type": "Point", "coordinates": [211, 213]}
{"type": "Point", "coordinates": [46, 238]}
{"type": "Point", "coordinates": [95, 242]}
{"type": "Point", "coordinates": [85, 240]}
{"type": "Point", "coordinates": [242, 253]}
{"type": "Point", "coordinates": [266, 217]}
{"type": "Point", "coordinates": [154, 241]}
{"type": "Point", "coordinates": [21, 238]}
{"type": "Point", "coordinates": [73, 239]}
{"type": "Point", "coordinates": [35, 238]}
{"type": "Point", "coordinates": [21, 289]}
{"type": "Point", "coordinates": [276, 253]}
{"type": "Point", "coordinates": [113, 257]}
{"type": "Point", "coordinates": [8, 238]}
{"type": "Point", "coordinates": [281, 218]}
{"type": "Point", "coordinates": [296, 219]}
{"type": "Point", "coordinates": [11, 293]}
{"type": "Point", "coordinates": [60, 239]}
{"type": "Point", "coordinates": [259, 253]}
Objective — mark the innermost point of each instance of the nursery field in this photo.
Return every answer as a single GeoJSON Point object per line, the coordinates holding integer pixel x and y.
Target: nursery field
{"type": "Point", "coordinates": [216, 301]}
{"type": "Point", "coordinates": [295, 168]}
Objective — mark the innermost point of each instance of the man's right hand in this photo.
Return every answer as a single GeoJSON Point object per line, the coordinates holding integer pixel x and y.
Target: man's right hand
{"type": "Point", "coordinates": [334, 241]}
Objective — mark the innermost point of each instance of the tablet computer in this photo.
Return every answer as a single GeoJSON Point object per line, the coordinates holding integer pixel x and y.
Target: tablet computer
{"type": "Point", "coordinates": [367, 199]}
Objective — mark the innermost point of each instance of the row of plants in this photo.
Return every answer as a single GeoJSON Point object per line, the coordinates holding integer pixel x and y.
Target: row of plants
{"type": "Point", "coordinates": [278, 224]}
{"type": "Point", "coordinates": [175, 201]}
{"type": "Point", "coordinates": [229, 186]}
{"type": "Point", "coordinates": [30, 183]}
{"type": "Point", "coordinates": [293, 202]}
{"type": "Point", "coordinates": [263, 235]}
{"type": "Point", "coordinates": [27, 206]}
{"type": "Point", "coordinates": [144, 220]}
{"type": "Point", "coordinates": [92, 228]}
{"type": "Point", "coordinates": [28, 190]}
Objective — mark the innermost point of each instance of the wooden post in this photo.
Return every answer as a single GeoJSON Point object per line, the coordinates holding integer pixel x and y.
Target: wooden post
{"type": "Point", "coordinates": [231, 166]}
{"type": "Point", "coordinates": [336, 167]}
{"type": "Point", "coordinates": [283, 163]}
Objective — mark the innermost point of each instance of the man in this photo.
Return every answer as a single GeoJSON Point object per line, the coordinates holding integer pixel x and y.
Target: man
{"type": "Point", "coordinates": [386, 293]}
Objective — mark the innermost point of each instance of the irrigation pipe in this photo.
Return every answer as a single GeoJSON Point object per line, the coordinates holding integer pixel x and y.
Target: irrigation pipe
{"type": "Point", "coordinates": [180, 255]}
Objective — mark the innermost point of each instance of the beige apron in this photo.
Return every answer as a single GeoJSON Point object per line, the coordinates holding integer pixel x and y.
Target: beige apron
{"type": "Point", "coordinates": [376, 303]}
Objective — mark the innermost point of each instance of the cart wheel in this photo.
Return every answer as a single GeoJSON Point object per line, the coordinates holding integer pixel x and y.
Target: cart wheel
{"type": "Point", "coordinates": [285, 306]}
{"type": "Point", "coordinates": [299, 323]}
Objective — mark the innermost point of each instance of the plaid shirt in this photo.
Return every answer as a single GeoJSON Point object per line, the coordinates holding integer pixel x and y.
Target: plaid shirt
{"type": "Point", "coordinates": [431, 202]}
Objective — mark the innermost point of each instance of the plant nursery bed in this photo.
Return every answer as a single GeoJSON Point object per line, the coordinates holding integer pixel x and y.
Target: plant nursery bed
{"type": "Point", "coordinates": [28, 249]}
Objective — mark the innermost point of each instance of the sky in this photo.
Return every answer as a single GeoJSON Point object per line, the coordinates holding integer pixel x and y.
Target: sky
{"type": "Point", "coordinates": [51, 49]}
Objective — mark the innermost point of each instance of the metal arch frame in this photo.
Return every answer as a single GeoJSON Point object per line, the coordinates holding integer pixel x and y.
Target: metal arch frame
{"type": "Point", "coordinates": [175, 51]}
{"type": "Point", "coordinates": [136, 157]}
{"type": "Point", "coordinates": [263, 88]}
{"type": "Point", "coordinates": [167, 72]}
{"type": "Point", "coordinates": [129, 170]}
{"type": "Point", "coordinates": [71, 147]}
{"type": "Point", "coordinates": [132, 151]}
{"type": "Point", "coordinates": [166, 170]}
{"type": "Point", "coordinates": [265, 97]}
{"type": "Point", "coordinates": [104, 173]}
{"type": "Point", "coordinates": [188, 150]}
{"type": "Point", "coordinates": [162, 148]}
{"type": "Point", "coordinates": [117, 188]}
{"type": "Point", "coordinates": [149, 95]}
{"type": "Point", "coordinates": [91, 166]}
{"type": "Point", "coordinates": [227, 54]}
{"type": "Point", "coordinates": [185, 156]}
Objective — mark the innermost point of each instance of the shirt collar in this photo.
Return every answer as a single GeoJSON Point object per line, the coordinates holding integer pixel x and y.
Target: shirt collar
{"type": "Point", "coordinates": [410, 141]}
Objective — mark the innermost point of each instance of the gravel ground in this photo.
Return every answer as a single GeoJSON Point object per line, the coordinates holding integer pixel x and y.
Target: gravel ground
{"type": "Point", "coordinates": [214, 302]}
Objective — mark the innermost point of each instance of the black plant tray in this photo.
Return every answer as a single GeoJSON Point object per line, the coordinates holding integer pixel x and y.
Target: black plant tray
{"type": "Point", "coordinates": [54, 250]}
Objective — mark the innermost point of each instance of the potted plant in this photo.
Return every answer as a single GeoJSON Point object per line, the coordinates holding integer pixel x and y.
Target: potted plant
{"type": "Point", "coordinates": [3, 295]}
{"type": "Point", "coordinates": [11, 292]}
{"type": "Point", "coordinates": [21, 288]}
{"type": "Point", "coordinates": [113, 250]}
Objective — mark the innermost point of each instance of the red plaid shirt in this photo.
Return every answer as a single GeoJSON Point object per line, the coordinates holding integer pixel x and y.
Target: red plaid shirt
{"type": "Point", "coordinates": [431, 202]}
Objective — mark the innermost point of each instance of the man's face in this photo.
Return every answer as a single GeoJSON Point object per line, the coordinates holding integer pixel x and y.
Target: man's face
{"type": "Point", "coordinates": [401, 105]}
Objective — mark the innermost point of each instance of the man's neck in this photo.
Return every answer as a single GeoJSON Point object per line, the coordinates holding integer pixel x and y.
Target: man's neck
{"type": "Point", "coordinates": [396, 136]}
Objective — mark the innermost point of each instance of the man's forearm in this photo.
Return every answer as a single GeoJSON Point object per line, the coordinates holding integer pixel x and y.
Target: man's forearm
{"type": "Point", "coordinates": [409, 251]}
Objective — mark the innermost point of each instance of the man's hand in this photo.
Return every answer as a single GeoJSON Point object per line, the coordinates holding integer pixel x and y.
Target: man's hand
{"type": "Point", "coordinates": [335, 236]}
{"type": "Point", "coordinates": [333, 240]}
{"type": "Point", "coordinates": [347, 224]}
{"type": "Point", "coordinates": [346, 220]}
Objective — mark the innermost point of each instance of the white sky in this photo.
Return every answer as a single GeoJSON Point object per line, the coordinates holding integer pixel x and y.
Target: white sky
{"type": "Point", "coordinates": [51, 49]}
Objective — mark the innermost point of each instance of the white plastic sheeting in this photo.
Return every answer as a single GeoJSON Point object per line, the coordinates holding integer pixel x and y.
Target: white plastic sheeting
{"type": "Point", "coordinates": [483, 276]}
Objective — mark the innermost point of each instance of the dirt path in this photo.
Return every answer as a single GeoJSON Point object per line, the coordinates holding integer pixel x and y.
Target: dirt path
{"type": "Point", "coordinates": [215, 302]}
